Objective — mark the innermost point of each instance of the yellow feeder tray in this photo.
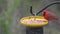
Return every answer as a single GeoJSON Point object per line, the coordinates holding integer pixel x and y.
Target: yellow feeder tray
{"type": "Point", "coordinates": [34, 21]}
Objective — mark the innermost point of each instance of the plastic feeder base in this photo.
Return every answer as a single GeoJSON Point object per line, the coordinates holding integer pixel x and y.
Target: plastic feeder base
{"type": "Point", "coordinates": [38, 30]}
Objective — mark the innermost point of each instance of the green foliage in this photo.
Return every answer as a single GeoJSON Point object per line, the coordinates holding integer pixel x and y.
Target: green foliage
{"type": "Point", "coordinates": [6, 20]}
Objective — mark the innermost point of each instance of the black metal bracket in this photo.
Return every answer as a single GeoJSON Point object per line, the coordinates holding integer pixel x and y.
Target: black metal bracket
{"type": "Point", "coordinates": [57, 2]}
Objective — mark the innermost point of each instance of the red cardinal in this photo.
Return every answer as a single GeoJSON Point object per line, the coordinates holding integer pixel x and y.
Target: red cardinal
{"type": "Point", "coordinates": [49, 15]}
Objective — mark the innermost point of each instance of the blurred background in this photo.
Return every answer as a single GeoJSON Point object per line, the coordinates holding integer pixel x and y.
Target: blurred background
{"type": "Point", "coordinates": [11, 10]}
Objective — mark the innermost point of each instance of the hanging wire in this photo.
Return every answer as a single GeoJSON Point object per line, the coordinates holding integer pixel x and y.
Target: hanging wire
{"type": "Point", "coordinates": [57, 2]}
{"type": "Point", "coordinates": [31, 10]}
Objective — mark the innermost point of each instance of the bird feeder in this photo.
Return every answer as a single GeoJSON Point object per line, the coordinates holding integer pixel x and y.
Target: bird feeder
{"type": "Point", "coordinates": [34, 21]}
{"type": "Point", "coordinates": [34, 24]}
